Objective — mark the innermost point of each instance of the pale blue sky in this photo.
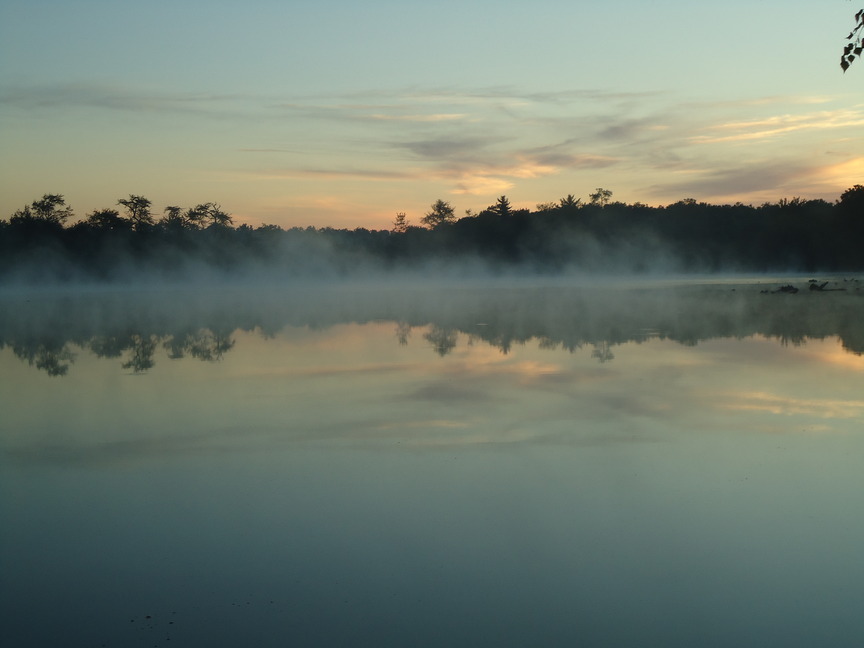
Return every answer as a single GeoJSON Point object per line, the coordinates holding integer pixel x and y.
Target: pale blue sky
{"type": "Point", "coordinates": [339, 113]}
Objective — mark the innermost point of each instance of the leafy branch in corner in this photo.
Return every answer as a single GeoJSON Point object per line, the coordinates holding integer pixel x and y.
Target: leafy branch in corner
{"type": "Point", "coordinates": [853, 49]}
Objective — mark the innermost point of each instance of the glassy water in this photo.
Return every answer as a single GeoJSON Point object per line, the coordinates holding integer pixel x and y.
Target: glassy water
{"type": "Point", "coordinates": [625, 465]}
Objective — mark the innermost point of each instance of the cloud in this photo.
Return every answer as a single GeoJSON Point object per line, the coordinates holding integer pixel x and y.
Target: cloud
{"type": "Point", "coordinates": [516, 96]}
{"type": "Point", "coordinates": [368, 112]}
{"type": "Point", "coordinates": [769, 127]}
{"type": "Point", "coordinates": [484, 142]}
{"type": "Point", "coordinates": [332, 174]}
{"type": "Point", "coordinates": [728, 183]}
{"type": "Point", "coordinates": [761, 180]}
{"type": "Point", "coordinates": [419, 118]}
{"type": "Point", "coordinates": [110, 97]}
{"type": "Point", "coordinates": [461, 149]}
{"type": "Point", "coordinates": [563, 160]}
{"type": "Point", "coordinates": [627, 129]}
{"type": "Point", "coordinates": [480, 185]}
{"type": "Point", "coordinates": [490, 140]}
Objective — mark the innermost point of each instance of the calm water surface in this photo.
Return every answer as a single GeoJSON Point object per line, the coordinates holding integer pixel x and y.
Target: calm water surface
{"type": "Point", "coordinates": [540, 465]}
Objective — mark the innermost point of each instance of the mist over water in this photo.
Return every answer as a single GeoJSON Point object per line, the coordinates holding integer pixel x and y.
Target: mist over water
{"type": "Point", "coordinates": [591, 461]}
{"type": "Point", "coordinates": [566, 311]}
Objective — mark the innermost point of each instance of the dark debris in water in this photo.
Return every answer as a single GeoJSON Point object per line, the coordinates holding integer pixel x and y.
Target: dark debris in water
{"type": "Point", "coordinates": [814, 285]}
{"type": "Point", "coordinates": [160, 629]}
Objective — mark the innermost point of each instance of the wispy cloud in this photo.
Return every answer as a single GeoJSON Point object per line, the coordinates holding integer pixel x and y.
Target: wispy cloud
{"type": "Point", "coordinates": [438, 117]}
{"type": "Point", "coordinates": [331, 174]}
{"type": "Point", "coordinates": [759, 129]}
{"type": "Point", "coordinates": [556, 157]}
{"type": "Point", "coordinates": [118, 98]}
{"type": "Point", "coordinates": [451, 149]}
{"type": "Point", "coordinates": [740, 181]}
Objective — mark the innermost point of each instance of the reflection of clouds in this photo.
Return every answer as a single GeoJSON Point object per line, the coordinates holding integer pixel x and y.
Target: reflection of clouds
{"type": "Point", "coordinates": [522, 373]}
{"type": "Point", "coordinates": [325, 371]}
{"type": "Point", "coordinates": [789, 406]}
{"type": "Point", "coordinates": [449, 392]}
{"type": "Point", "coordinates": [136, 449]}
{"type": "Point", "coordinates": [354, 384]}
{"type": "Point", "coordinates": [837, 355]}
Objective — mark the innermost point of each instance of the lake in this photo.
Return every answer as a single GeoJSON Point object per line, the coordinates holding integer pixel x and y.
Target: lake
{"type": "Point", "coordinates": [511, 463]}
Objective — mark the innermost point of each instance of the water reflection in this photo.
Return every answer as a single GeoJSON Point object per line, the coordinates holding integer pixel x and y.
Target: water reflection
{"type": "Point", "coordinates": [673, 466]}
{"type": "Point", "coordinates": [48, 331]}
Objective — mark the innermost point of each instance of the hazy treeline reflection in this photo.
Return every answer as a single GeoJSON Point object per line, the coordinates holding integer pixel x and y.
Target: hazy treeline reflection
{"type": "Point", "coordinates": [48, 329]}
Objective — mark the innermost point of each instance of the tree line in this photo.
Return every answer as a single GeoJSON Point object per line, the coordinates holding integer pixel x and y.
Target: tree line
{"type": "Point", "coordinates": [40, 243]}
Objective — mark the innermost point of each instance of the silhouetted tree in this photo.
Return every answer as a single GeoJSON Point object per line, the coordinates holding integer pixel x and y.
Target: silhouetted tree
{"type": "Point", "coordinates": [853, 199]}
{"type": "Point", "coordinates": [137, 210]}
{"type": "Point", "coordinates": [854, 47]}
{"type": "Point", "coordinates": [685, 202]}
{"type": "Point", "coordinates": [107, 219]}
{"type": "Point", "coordinates": [600, 197]}
{"type": "Point", "coordinates": [218, 217]}
{"type": "Point", "coordinates": [442, 212]}
{"type": "Point", "coordinates": [546, 207]}
{"type": "Point", "coordinates": [51, 208]}
{"type": "Point", "coordinates": [175, 218]}
{"type": "Point", "coordinates": [500, 208]}
{"type": "Point", "coordinates": [194, 217]}
{"type": "Point", "coordinates": [209, 213]}
{"type": "Point", "coordinates": [570, 202]}
{"type": "Point", "coordinates": [400, 223]}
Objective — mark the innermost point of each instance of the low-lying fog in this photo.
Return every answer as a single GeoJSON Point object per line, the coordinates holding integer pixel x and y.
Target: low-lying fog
{"type": "Point", "coordinates": [565, 312]}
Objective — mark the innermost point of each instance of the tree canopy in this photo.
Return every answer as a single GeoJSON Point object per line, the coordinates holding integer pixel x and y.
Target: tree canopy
{"type": "Point", "coordinates": [51, 208]}
{"type": "Point", "coordinates": [442, 212]}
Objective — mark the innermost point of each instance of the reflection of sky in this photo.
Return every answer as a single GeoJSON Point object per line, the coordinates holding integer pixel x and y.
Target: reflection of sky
{"type": "Point", "coordinates": [326, 485]}
{"type": "Point", "coordinates": [354, 383]}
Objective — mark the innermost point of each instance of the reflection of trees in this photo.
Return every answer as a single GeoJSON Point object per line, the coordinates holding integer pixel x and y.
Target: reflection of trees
{"type": "Point", "coordinates": [443, 340]}
{"type": "Point", "coordinates": [201, 325]}
{"type": "Point", "coordinates": [602, 352]}
{"type": "Point", "coordinates": [142, 350]}
{"type": "Point", "coordinates": [55, 357]}
{"type": "Point", "coordinates": [52, 357]}
{"type": "Point", "coordinates": [403, 332]}
{"type": "Point", "coordinates": [108, 346]}
{"type": "Point", "coordinates": [202, 344]}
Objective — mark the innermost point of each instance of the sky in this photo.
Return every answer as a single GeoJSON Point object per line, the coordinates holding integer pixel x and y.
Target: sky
{"type": "Point", "coordinates": [342, 113]}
